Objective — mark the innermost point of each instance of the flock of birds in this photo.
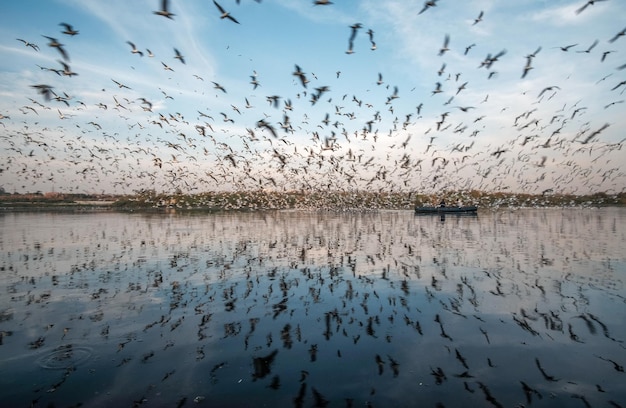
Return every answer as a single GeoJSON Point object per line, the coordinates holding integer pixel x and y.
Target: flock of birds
{"type": "Point", "coordinates": [315, 139]}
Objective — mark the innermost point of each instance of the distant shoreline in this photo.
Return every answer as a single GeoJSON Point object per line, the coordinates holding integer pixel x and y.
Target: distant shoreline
{"type": "Point", "coordinates": [262, 200]}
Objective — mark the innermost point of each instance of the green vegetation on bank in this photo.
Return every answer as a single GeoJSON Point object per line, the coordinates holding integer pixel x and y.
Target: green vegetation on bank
{"type": "Point", "coordinates": [266, 200]}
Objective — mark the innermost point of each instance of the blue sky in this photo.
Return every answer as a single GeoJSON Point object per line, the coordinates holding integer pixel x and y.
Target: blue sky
{"type": "Point", "coordinates": [99, 137]}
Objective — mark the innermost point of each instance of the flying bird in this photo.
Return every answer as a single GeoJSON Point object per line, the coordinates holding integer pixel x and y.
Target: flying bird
{"type": "Point", "coordinates": [529, 60]}
{"type": "Point", "coordinates": [534, 54]}
{"type": "Point", "coordinates": [29, 44]}
{"type": "Point", "coordinates": [479, 18]}
{"type": "Point", "coordinates": [54, 43]}
{"type": "Point", "coordinates": [437, 89]}
{"type": "Point", "coordinates": [596, 132]}
{"type": "Point", "coordinates": [604, 54]}
{"type": "Point", "coordinates": [567, 47]}
{"type": "Point", "coordinates": [66, 70]}
{"type": "Point", "coordinates": [370, 33]}
{"type": "Point", "coordinates": [45, 90]}
{"type": "Point", "coordinates": [354, 29]}
{"type": "Point", "coordinates": [527, 67]}
{"type": "Point", "coordinates": [618, 85]}
{"type": "Point", "coordinates": [298, 73]}
{"type": "Point", "coordinates": [264, 125]}
{"type": "Point", "coordinates": [444, 47]}
{"type": "Point", "coordinates": [179, 56]}
{"type": "Point", "coordinates": [587, 4]}
{"type": "Point", "coordinates": [489, 60]}
{"type": "Point", "coordinates": [428, 4]}
{"type": "Point", "coordinates": [588, 50]}
{"type": "Point", "coordinates": [119, 84]}
{"type": "Point", "coordinates": [134, 49]}
{"type": "Point", "coordinates": [618, 35]}
{"type": "Point", "coordinates": [468, 48]}
{"type": "Point", "coordinates": [225, 14]}
{"type": "Point", "coordinates": [546, 89]}
{"type": "Point", "coordinates": [164, 11]}
{"type": "Point", "coordinates": [255, 82]}
{"type": "Point", "coordinates": [69, 30]}
{"type": "Point", "coordinates": [218, 86]}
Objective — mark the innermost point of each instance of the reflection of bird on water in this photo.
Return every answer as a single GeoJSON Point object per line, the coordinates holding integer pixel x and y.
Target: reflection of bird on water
{"type": "Point", "coordinates": [263, 365]}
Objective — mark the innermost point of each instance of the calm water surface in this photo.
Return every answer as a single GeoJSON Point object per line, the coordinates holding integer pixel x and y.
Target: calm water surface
{"type": "Point", "coordinates": [305, 309]}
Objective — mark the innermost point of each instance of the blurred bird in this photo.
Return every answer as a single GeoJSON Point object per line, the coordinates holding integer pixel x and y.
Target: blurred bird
{"type": "Point", "coordinates": [164, 11]}
{"type": "Point", "coordinates": [29, 44]}
{"type": "Point", "coordinates": [444, 47]}
{"type": "Point", "coordinates": [428, 4]}
{"type": "Point", "coordinates": [45, 90]}
{"type": "Point", "coordinates": [54, 43]}
{"type": "Point", "coordinates": [588, 50]}
{"type": "Point", "coordinates": [225, 14]}
{"type": "Point", "coordinates": [301, 76]}
{"type": "Point", "coordinates": [567, 47]}
{"type": "Point", "coordinates": [134, 49]}
{"type": "Point", "coordinates": [618, 35]}
{"type": "Point", "coordinates": [179, 56]}
{"type": "Point", "coordinates": [587, 4]}
{"type": "Point", "coordinates": [68, 29]}
{"type": "Point", "coordinates": [479, 18]}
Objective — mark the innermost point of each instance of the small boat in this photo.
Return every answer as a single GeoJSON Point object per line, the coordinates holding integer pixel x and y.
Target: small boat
{"type": "Point", "coordinates": [472, 209]}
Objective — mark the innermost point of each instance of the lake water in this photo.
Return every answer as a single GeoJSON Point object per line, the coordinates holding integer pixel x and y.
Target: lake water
{"type": "Point", "coordinates": [302, 309]}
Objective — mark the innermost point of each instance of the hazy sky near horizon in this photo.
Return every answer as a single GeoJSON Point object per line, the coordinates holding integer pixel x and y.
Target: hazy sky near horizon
{"type": "Point", "coordinates": [372, 118]}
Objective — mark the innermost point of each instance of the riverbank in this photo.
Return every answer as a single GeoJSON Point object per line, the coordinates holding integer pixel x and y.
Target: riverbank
{"type": "Point", "coordinates": [263, 200]}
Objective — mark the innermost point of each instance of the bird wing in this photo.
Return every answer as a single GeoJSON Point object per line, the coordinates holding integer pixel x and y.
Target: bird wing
{"type": "Point", "coordinates": [219, 7]}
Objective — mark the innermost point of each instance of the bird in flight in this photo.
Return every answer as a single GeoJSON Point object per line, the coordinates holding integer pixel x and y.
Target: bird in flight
{"type": "Point", "coordinates": [119, 84]}
{"type": "Point", "coordinates": [54, 43]}
{"type": "Point", "coordinates": [134, 49]}
{"type": "Point", "coordinates": [618, 35]}
{"type": "Point", "coordinates": [68, 29]}
{"type": "Point", "coordinates": [444, 47]}
{"type": "Point", "coordinates": [527, 67]}
{"type": "Point", "coordinates": [549, 88]}
{"type": "Point", "coordinates": [45, 90]}
{"type": "Point", "coordinates": [588, 50]}
{"type": "Point", "coordinates": [66, 70]}
{"type": "Point", "coordinates": [479, 18]}
{"type": "Point", "coordinates": [298, 73]}
{"type": "Point", "coordinates": [179, 56]}
{"type": "Point", "coordinates": [587, 4]}
{"type": "Point", "coordinates": [164, 11]}
{"type": "Point", "coordinates": [225, 14]}
{"type": "Point", "coordinates": [437, 89]}
{"type": "Point", "coordinates": [354, 29]}
{"type": "Point", "coordinates": [428, 4]}
{"type": "Point", "coordinates": [567, 47]}
{"type": "Point", "coordinates": [29, 44]}
{"type": "Point", "coordinates": [218, 86]}
{"type": "Point", "coordinates": [370, 33]}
